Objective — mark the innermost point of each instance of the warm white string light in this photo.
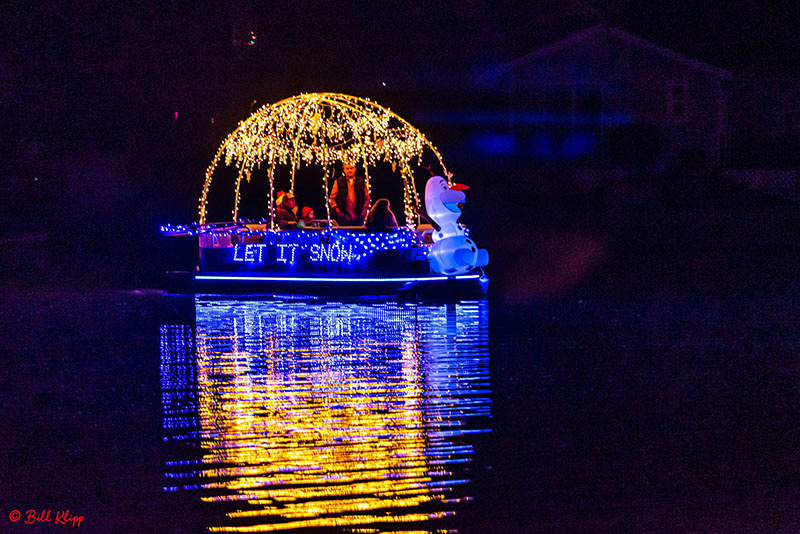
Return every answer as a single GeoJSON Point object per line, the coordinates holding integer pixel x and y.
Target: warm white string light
{"type": "Point", "coordinates": [322, 129]}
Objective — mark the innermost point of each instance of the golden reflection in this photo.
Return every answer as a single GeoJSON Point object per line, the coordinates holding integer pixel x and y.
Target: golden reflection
{"type": "Point", "coordinates": [326, 415]}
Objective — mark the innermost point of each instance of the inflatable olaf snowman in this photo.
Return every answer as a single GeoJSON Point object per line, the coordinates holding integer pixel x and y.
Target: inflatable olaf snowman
{"type": "Point", "coordinates": [452, 251]}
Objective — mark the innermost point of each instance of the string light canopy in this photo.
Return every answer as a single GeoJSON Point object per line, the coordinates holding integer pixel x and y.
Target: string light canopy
{"type": "Point", "coordinates": [322, 129]}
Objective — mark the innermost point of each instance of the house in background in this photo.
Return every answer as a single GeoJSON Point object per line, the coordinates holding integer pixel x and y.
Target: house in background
{"type": "Point", "coordinates": [604, 97]}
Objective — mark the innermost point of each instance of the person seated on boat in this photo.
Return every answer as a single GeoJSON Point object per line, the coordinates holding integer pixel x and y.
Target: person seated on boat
{"type": "Point", "coordinates": [380, 217]}
{"type": "Point", "coordinates": [287, 216]}
{"type": "Point", "coordinates": [349, 198]}
{"type": "Point", "coordinates": [307, 215]}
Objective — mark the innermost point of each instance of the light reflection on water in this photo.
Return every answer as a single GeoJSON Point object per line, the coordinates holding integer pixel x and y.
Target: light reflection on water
{"type": "Point", "coordinates": [353, 416]}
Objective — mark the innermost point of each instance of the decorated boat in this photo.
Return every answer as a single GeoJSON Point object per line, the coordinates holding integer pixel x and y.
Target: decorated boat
{"type": "Point", "coordinates": [425, 249]}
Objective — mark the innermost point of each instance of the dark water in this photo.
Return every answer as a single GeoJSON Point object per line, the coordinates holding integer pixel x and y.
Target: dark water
{"type": "Point", "coordinates": [597, 410]}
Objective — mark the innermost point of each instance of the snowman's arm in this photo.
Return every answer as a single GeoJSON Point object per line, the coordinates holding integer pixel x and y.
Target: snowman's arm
{"type": "Point", "coordinates": [425, 216]}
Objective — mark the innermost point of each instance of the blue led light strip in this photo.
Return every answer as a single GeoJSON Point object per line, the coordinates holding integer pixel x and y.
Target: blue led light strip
{"type": "Point", "coordinates": [336, 279]}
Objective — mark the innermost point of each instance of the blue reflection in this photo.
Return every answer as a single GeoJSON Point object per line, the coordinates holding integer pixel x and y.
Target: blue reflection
{"type": "Point", "coordinates": [311, 414]}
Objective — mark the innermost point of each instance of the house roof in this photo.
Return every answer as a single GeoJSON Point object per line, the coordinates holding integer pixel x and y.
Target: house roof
{"type": "Point", "coordinates": [593, 31]}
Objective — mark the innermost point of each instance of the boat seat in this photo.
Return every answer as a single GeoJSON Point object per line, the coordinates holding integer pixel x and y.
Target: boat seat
{"type": "Point", "coordinates": [426, 233]}
{"type": "Point", "coordinates": [249, 239]}
{"type": "Point", "coordinates": [215, 241]}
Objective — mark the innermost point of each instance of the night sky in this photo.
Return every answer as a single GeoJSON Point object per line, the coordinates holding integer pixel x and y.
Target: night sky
{"type": "Point", "coordinates": [82, 61]}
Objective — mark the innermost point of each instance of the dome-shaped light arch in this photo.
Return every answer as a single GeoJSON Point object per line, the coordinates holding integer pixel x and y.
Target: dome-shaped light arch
{"type": "Point", "coordinates": [321, 129]}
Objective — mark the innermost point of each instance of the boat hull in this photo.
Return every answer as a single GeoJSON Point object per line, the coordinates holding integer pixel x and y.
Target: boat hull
{"type": "Point", "coordinates": [474, 283]}
{"type": "Point", "coordinates": [327, 262]}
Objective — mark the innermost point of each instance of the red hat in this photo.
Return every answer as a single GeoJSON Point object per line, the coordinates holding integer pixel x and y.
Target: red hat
{"type": "Point", "coordinates": [306, 211]}
{"type": "Point", "coordinates": [283, 196]}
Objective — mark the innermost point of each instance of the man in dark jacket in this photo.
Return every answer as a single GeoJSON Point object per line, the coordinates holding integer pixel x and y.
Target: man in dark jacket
{"type": "Point", "coordinates": [349, 198]}
{"type": "Point", "coordinates": [287, 216]}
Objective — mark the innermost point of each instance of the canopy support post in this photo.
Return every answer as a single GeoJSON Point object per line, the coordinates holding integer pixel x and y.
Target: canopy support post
{"type": "Point", "coordinates": [327, 200]}
{"type": "Point", "coordinates": [366, 176]}
{"type": "Point", "coordinates": [271, 195]}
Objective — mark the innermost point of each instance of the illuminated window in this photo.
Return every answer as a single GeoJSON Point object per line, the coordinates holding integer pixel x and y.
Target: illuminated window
{"type": "Point", "coordinates": [678, 100]}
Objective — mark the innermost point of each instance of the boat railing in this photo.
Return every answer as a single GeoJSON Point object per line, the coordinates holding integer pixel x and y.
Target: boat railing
{"type": "Point", "coordinates": [227, 235]}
